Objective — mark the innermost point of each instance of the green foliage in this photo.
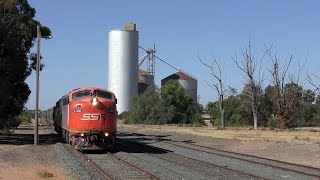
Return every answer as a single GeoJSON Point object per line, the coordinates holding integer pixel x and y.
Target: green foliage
{"type": "Point", "coordinates": [308, 96]}
{"type": "Point", "coordinates": [24, 118]}
{"type": "Point", "coordinates": [238, 110]}
{"type": "Point", "coordinates": [123, 115]}
{"type": "Point", "coordinates": [17, 36]}
{"type": "Point", "coordinates": [171, 106]}
{"type": "Point", "coordinates": [304, 115]}
{"type": "Point", "coordinates": [45, 174]}
{"type": "Point", "coordinates": [272, 122]}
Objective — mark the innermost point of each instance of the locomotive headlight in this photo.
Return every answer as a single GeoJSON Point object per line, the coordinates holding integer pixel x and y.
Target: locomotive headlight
{"type": "Point", "coordinates": [106, 134]}
{"type": "Point", "coordinates": [94, 101]}
{"type": "Point", "coordinates": [81, 134]}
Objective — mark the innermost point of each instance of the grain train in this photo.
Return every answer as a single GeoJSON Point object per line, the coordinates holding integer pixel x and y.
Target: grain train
{"type": "Point", "coordinates": [86, 118]}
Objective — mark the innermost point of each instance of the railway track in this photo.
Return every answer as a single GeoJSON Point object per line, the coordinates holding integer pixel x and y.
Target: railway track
{"type": "Point", "coordinates": [111, 166]}
{"type": "Point", "coordinates": [285, 166]}
{"type": "Point", "coordinates": [108, 166]}
{"type": "Point", "coordinates": [209, 169]}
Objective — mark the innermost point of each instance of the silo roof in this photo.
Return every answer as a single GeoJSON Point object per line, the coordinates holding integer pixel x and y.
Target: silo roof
{"type": "Point", "coordinates": [143, 73]}
{"type": "Point", "coordinates": [184, 76]}
{"type": "Point", "coordinates": [179, 75]}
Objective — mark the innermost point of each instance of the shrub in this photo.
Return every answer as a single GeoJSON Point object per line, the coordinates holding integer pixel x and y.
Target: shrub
{"type": "Point", "coordinates": [123, 115]}
{"type": "Point", "coordinates": [24, 118]}
{"type": "Point", "coordinates": [45, 174]}
{"type": "Point", "coordinates": [174, 106]}
{"type": "Point", "coordinates": [272, 122]}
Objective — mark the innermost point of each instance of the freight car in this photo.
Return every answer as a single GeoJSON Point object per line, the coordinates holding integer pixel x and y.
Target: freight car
{"type": "Point", "coordinates": [85, 118]}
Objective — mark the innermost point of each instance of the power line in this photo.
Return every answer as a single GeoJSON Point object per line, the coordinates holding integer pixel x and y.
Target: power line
{"type": "Point", "coordinates": [160, 59]}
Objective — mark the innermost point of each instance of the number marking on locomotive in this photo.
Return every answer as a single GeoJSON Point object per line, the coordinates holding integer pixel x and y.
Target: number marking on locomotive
{"type": "Point", "coordinates": [77, 110]}
{"type": "Point", "coordinates": [94, 116]}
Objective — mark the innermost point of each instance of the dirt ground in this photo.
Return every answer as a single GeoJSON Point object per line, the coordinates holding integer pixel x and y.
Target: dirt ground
{"type": "Point", "coordinates": [19, 158]}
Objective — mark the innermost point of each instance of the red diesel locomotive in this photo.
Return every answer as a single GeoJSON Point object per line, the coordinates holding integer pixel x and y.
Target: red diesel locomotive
{"type": "Point", "coordinates": [85, 118]}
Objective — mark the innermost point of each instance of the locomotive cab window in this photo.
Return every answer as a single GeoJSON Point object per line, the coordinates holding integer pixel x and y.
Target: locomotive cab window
{"type": "Point", "coordinates": [81, 94]}
{"type": "Point", "coordinates": [103, 94]}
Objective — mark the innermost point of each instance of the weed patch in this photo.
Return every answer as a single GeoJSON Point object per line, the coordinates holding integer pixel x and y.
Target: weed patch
{"type": "Point", "coordinates": [45, 174]}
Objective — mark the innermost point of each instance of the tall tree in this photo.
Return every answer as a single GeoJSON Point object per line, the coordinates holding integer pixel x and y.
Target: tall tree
{"type": "Point", "coordinates": [217, 85]}
{"type": "Point", "coordinates": [286, 95]}
{"type": "Point", "coordinates": [17, 36]}
{"type": "Point", "coordinates": [174, 95]}
{"type": "Point", "coordinates": [248, 65]}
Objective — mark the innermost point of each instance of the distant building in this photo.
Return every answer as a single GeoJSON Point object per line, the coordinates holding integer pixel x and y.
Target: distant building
{"type": "Point", "coordinates": [187, 82]}
{"type": "Point", "coordinates": [145, 79]}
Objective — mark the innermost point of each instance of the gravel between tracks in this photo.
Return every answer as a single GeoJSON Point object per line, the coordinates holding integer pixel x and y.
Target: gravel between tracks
{"type": "Point", "coordinates": [301, 147]}
{"type": "Point", "coordinates": [73, 166]}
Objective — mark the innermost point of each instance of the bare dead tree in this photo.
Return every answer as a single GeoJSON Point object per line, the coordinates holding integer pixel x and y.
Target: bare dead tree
{"type": "Point", "coordinates": [286, 98]}
{"type": "Point", "coordinates": [311, 81]}
{"type": "Point", "coordinates": [217, 85]}
{"type": "Point", "coordinates": [248, 66]}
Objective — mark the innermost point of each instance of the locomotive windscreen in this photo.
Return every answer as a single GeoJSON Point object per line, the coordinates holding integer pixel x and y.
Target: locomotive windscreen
{"type": "Point", "coordinates": [81, 94]}
{"type": "Point", "coordinates": [103, 94]}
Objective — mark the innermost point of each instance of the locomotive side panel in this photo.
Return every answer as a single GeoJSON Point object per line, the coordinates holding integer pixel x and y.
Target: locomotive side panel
{"type": "Point", "coordinates": [65, 112]}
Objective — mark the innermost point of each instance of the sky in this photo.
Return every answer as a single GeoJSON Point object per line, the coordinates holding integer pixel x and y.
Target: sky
{"type": "Point", "coordinates": [77, 55]}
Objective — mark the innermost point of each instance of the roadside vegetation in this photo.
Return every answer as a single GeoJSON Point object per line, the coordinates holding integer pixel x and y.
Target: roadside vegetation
{"type": "Point", "coordinates": [45, 174]}
{"type": "Point", "coordinates": [18, 32]}
{"type": "Point", "coordinates": [238, 110]}
{"type": "Point", "coordinates": [283, 103]}
{"type": "Point", "coordinates": [168, 105]}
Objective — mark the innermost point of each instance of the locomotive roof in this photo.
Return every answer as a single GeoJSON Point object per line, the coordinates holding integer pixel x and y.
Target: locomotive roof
{"type": "Point", "coordinates": [88, 88]}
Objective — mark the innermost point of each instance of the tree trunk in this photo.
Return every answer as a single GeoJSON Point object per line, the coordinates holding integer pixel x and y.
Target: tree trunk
{"type": "Point", "coordinates": [255, 116]}
{"type": "Point", "coordinates": [222, 112]}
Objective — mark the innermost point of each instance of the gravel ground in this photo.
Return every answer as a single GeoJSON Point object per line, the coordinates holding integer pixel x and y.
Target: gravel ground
{"type": "Point", "coordinates": [255, 169]}
{"type": "Point", "coordinates": [290, 146]}
{"type": "Point", "coordinates": [20, 159]}
{"type": "Point", "coordinates": [73, 166]}
{"type": "Point", "coordinates": [116, 168]}
{"type": "Point", "coordinates": [160, 168]}
{"type": "Point", "coordinates": [179, 167]}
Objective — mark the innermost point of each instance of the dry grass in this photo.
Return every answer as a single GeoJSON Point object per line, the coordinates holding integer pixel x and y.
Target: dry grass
{"type": "Point", "coordinates": [300, 136]}
{"type": "Point", "coordinates": [45, 174]}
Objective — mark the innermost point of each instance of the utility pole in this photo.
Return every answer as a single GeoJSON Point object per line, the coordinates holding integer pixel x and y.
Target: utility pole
{"type": "Point", "coordinates": [36, 135]}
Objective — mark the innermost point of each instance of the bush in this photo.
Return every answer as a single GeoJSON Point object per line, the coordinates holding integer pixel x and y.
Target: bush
{"type": "Point", "coordinates": [24, 118]}
{"type": "Point", "coordinates": [123, 115]}
{"type": "Point", "coordinates": [272, 122]}
{"type": "Point", "coordinates": [174, 106]}
{"type": "Point", "coordinates": [316, 120]}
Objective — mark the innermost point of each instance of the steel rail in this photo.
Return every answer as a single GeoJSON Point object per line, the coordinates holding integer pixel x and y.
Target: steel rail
{"type": "Point", "coordinates": [184, 157]}
{"type": "Point", "coordinates": [250, 161]}
{"type": "Point", "coordinates": [253, 156]}
{"type": "Point", "coordinates": [95, 166]}
{"type": "Point", "coordinates": [145, 173]}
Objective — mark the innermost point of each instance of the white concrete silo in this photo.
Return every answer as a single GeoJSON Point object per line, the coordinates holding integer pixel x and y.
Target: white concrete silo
{"type": "Point", "coordinates": [123, 66]}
